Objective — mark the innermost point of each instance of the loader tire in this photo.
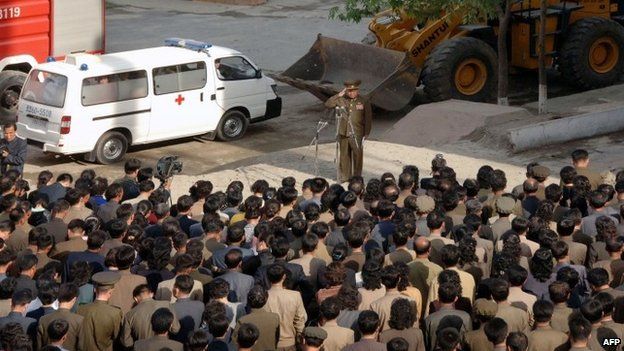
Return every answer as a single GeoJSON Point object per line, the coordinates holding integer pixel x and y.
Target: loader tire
{"type": "Point", "coordinates": [461, 68]}
{"type": "Point", "coordinates": [592, 55]}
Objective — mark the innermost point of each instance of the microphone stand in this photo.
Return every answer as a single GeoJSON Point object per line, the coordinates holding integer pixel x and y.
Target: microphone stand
{"type": "Point", "coordinates": [319, 127]}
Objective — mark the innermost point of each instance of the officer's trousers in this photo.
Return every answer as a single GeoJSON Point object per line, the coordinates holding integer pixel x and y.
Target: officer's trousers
{"type": "Point", "coordinates": [351, 157]}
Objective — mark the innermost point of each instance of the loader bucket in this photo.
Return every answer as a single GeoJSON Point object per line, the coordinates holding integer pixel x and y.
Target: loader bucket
{"type": "Point", "coordinates": [388, 77]}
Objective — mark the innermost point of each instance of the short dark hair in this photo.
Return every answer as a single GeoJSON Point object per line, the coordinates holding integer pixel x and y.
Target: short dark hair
{"type": "Point", "coordinates": [517, 341]}
{"type": "Point", "coordinates": [348, 199]}
{"type": "Point", "coordinates": [219, 288]}
{"type": "Point", "coordinates": [390, 276]}
{"type": "Point", "coordinates": [519, 225]}
{"type": "Point", "coordinates": [368, 322]}
{"type": "Point", "coordinates": [598, 277]}
{"type": "Point", "coordinates": [447, 338]}
{"type": "Point", "coordinates": [496, 330]}
{"type": "Point", "coordinates": [517, 275]}
{"type": "Point", "coordinates": [499, 289]}
{"type": "Point", "coordinates": [132, 165]}
{"type": "Point", "coordinates": [257, 297]}
{"type": "Point", "coordinates": [124, 257]}
{"type": "Point", "coordinates": [6, 257]}
{"type": "Point", "coordinates": [146, 185]}
{"type": "Point", "coordinates": [397, 344]}
{"type": "Point", "coordinates": [218, 325]}
{"type": "Point", "coordinates": [607, 301]}
{"type": "Point", "coordinates": [559, 249]}
{"type": "Point", "coordinates": [330, 308]}
{"type": "Point", "coordinates": [592, 310]}
{"type": "Point", "coordinates": [247, 335]}
{"type": "Point", "coordinates": [96, 239]}
{"type": "Point", "coordinates": [21, 297]}
{"type": "Point", "coordinates": [58, 329]}
{"type": "Point", "coordinates": [26, 262]}
{"type": "Point", "coordinates": [448, 292]}
{"type": "Point", "coordinates": [211, 225]}
{"type": "Point", "coordinates": [48, 291]}
{"type": "Point", "coordinates": [580, 328]}
{"type": "Point", "coordinates": [567, 174]}
{"type": "Point", "coordinates": [161, 320]}
{"type": "Point", "coordinates": [140, 289]}
{"type": "Point", "coordinates": [113, 190]}
{"type": "Point", "coordinates": [579, 155]}
{"type": "Point", "coordinates": [184, 283]}
{"type": "Point", "coordinates": [235, 232]}
{"type": "Point", "coordinates": [569, 276]}
{"type": "Point", "coordinates": [450, 255]}
{"type": "Point", "coordinates": [402, 314]}
{"type": "Point", "coordinates": [355, 233]}
{"type": "Point", "coordinates": [597, 199]}
{"type": "Point", "coordinates": [558, 291]}
{"type": "Point", "coordinates": [275, 273]}
{"type": "Point", "coordinates": [309, 242]}
{"type": "Point", "coordinates": [183, 262]}
{"type": "Point", "coordinates": [65, 177]}
{"type": "Point", "coordinates": [565, 227]}
{"type": "Point", "coordinates": [435, 220]}
{"type": "Point", "coordinates": [44, 241]}
{"type": "Point", "coordinates": [233, 258]}
{"type": "Point", "coordinates": [198, 340]}
{"type": "Point", "coordinates": [543, 311]}
{"type": "Point", "coordinates": [67, 292]}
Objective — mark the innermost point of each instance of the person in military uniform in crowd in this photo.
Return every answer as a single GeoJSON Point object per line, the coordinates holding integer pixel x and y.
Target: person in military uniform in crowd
{"type": "Point", "coordinates": [102, 322]}
{"type": "Point", "coordinates": [353, 128]}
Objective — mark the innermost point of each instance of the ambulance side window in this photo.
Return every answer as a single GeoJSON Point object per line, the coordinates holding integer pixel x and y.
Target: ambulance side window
{"type": "Point", "coordinates": [234, 68]}
{"type": "Point", "coordinates": [114, 88]}
{"type": "Point", "coordinates": [173, 79]}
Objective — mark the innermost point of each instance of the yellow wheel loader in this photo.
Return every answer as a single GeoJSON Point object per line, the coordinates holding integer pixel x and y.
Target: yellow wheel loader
{"type": "Point", "coordinates": [451, 59]}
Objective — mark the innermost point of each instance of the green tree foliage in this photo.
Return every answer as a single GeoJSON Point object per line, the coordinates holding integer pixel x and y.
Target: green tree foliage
{"type": "Point", "coordinates": [423, 10]}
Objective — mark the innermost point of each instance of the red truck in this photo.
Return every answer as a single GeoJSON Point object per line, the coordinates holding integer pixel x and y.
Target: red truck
{"type": "Point", "coordinates": [32, 31]}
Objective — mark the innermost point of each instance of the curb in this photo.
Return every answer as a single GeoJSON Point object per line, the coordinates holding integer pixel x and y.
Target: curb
{"type": "Point", "coordinates": [567, 129]}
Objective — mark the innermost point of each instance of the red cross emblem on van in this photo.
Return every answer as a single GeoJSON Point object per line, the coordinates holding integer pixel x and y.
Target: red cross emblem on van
{"type": "Point", "coordinates": [179, 99]}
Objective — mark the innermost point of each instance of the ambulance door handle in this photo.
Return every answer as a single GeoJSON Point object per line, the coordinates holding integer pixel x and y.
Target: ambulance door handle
{"type": "Point", "coordinates": [221, 88]}
{"type": "Point", "coordinates": [213, 97]}
{"type": "Point", "coordinates": [201, 97]}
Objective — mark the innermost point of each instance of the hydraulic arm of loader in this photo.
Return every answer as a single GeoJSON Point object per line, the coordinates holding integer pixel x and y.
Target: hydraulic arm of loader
{"type": "Point", "coordinates": [398, 32]}
{"type": "Point", "coordinates": [389, 73]}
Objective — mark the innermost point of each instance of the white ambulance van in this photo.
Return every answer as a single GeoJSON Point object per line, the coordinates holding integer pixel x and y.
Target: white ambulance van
{"type": "Point", "coordinates": [100, 104]}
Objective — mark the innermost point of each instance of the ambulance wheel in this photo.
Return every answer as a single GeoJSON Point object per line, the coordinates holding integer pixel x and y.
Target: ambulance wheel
{"type": "Point", "coordinates": [111, 148]}
{"type": "Point", "coordinates": [232, 126]}
{"type": "Point", "coordinates": [11, 83]}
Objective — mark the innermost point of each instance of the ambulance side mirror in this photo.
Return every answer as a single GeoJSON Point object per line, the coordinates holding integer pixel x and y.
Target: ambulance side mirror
{"type": "Point", "coordinates": [259, 74]}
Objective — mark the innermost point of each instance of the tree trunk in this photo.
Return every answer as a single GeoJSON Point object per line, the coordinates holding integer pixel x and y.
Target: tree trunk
{"type": "Point", "coordinates": [543, 80]}
{"type": "Point", "coordinates": [504, 17]}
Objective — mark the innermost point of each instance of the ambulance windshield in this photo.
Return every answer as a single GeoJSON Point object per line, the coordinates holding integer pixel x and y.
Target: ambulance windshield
{"type": "Point", "coordinates": [45, 88]}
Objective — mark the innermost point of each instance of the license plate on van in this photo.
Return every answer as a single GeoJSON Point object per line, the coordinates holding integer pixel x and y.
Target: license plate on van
{"type": "Point", "coordinates": [39, 123]}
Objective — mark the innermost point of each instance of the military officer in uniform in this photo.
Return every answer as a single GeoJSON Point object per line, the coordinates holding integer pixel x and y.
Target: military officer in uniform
{"type": "Point", "coordinates": [354, 127]}
{"type": "Point", "coordinates": [102, 322]}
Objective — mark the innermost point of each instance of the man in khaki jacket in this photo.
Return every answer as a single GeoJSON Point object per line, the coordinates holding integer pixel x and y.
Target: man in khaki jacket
{"type": "Point", "coordinates": [517, 319]}
{"type": "Point", "coordinates": [354, 126]}
{"type": "Point", "coordinates": [68, 294]}
{"type": "Point", "coordinates": [382, 306]}
{"type": "Point", "coordinates": [422, 272]}
{"type": "Point", "coordinates": [122, 295]}
{"type": "Point", "coordinates": [288, 306]}
{"type": "Point", "coordinates": [450, 258]}
{"type": "Point", "coordinates": [137, 323]}
{"type": "Point", "coordinates": [337, 336]}
{"type": "Point", "coordinates": [544, 337]}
